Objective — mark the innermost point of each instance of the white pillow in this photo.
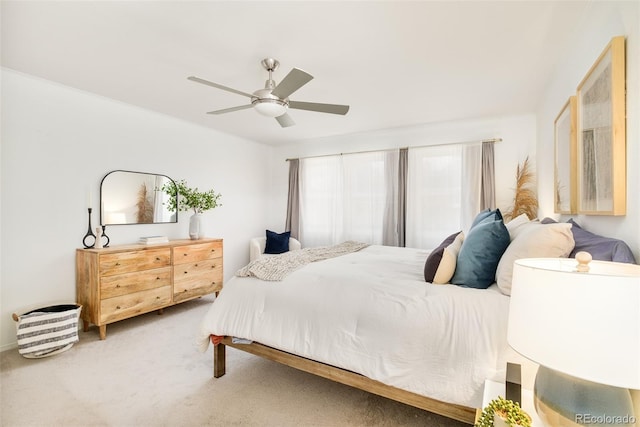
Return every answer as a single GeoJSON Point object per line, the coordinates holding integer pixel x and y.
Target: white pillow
{"type": "Point", "coordinates": [447, 265]}
{"type": "Point", "coordinates": [535, 240]}
{"type": "Point", "coordinates": [515, 224]}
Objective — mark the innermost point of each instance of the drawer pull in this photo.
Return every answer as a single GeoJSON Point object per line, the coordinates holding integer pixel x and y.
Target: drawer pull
{"type": "Point", "coordinates": [117, 307]}
{"type": "Point", "coordinates": [184, 290]}
{"type": "Point", "coordinates": [158, 278]}
{"type": "Point", "coordinates": [157, 297]}
{"type": "Point", "coordinates": [213, 266]}
{"type": "Point", "coordinates": [195, 265]}
{"type": "Point", "coordinates": [213, 283]}
{"type": "Point", "coordinates": [117, 264]}
{"type": "Point", "coordinates": [117, 286]}
{"type": "Point", "coordinates": [185, 272]}
{"type": "Point", "coordinates": [157, 258]}
{"type": "Point", "coordinates": [185, 254]}
{"type": "Point", "coordinates": [213, 250]}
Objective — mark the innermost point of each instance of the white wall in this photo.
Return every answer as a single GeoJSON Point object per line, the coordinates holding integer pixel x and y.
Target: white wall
{"type": "Point", "coordinates": [518, 135]}
{"type": "Point", "coordinates": [601, 22]}
{"type": "Point", "coordinates": [58, 143]}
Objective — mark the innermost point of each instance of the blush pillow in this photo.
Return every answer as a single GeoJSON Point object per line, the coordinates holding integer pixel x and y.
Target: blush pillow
{"type": "Point", "coordinates": [480, 254]}
{"type": "Point", "coordinates": [435, 257]}
{"type": "Point", "coordinates": [535, 241]}
{"type": "Point", "coordinates": [277, 243]}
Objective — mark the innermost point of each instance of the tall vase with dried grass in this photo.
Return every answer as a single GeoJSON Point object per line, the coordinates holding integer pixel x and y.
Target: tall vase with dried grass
{"type": "Point", "coordinates": [526, 199]}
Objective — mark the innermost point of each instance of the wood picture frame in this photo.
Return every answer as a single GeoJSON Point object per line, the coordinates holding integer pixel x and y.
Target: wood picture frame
{"type": "Point", "coordinates": [565, 156]}
{"type": "Point", "coordinates": [601, 130]}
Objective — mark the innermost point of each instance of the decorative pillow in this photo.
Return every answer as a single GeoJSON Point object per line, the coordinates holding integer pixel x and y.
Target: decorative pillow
{"type": "Point", "coordinates": [495, 214]}
{"type": "Point", "coordinates": [277, 243]}
{"type": "Point", "coordinates": [480, 254]}
{"type": "Point", "coordinates": [434, 258]}
{"type": "Point", "coordinates": [515, 224]}
{"type": "Point", "coordinates": [600, 247]}
{"type": "Point", "coordinates": [535, 241]}
{"type": "Point", "coordinates": [449, 260]}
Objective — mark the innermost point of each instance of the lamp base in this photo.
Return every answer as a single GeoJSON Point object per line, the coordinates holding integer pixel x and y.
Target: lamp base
{"type": "Point", "coordinates": [563, 400]}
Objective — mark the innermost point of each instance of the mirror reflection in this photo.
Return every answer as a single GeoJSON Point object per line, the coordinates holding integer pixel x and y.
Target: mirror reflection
{"type": "Point", "coordinates": [134, 198]}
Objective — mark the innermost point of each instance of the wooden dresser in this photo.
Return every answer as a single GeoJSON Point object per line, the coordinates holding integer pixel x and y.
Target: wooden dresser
{"type": "Point", "coordinates": [119, 282]}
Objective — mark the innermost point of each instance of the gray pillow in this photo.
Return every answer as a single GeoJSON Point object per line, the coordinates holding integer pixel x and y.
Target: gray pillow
{"type": "Point", "coordinates": [600, 247]}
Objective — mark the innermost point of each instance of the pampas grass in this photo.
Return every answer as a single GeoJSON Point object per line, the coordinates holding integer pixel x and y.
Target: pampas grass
{"type": "Point", "coordinates": [145, 208]}
{"type": "Point", "coordinates": [526, 199]}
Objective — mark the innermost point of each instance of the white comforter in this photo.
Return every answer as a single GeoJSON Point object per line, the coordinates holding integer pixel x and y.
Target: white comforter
{"type": "Point", "coordinates": [371, 312]}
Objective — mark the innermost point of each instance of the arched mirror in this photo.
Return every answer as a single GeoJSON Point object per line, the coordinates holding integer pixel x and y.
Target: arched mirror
{"type": "Point", "coordinates": [135, 198]}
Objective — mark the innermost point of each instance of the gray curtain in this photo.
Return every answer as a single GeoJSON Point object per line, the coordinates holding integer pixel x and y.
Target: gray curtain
{"type": "Point", "coordinates": [293, 200]}
{"type": "Point", "coordinates": [402, 197]}
{"type": "Point", "coordinates": [488, 183]}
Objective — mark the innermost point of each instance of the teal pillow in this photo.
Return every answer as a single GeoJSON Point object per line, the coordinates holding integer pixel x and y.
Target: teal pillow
{"type": "Point", "coordinates": [487, 213]}
{"type": "Point", "coordinates": [480, 253]}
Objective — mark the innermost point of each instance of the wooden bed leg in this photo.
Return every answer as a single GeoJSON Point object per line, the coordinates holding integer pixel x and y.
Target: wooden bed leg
{"type": "Point", "coordinates": [219, 360]}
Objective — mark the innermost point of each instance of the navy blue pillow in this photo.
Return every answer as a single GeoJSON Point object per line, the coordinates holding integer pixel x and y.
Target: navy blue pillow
{"type": "Point", "coordinates": [277, 243]}
{"type": "Point", "coordinates": [480, 253]}
{"type": "Point", "coordinates": [600, 247]}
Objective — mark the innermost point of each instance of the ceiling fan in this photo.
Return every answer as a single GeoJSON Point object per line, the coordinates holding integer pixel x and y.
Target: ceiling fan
{"type": "Point", "coordinates": [273, 100]}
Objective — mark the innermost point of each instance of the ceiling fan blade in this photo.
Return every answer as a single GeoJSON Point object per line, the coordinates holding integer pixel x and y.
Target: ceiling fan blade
{"type": "Point", "coordinates": [322, 108]}
{"type": "Point", "coordinates": [285, 120]}
{"type": "Point", "coordinates": [217, 86]}
{"type": "Point", "coordinates": [291, 83]}
{"type": "Point", "coordinates": [229, 110]}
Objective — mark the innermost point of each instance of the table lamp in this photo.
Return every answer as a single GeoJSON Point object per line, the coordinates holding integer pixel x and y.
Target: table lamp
{"type": "Point", "coordinates": [580, 321]}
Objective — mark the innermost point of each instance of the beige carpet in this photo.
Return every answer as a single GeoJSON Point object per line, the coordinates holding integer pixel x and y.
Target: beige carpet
{"type": "Point", "coordinates": [148, 373]}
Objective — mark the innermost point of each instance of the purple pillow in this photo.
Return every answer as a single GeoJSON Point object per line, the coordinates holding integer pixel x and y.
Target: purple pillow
{"type": "Point", "coordinates": [434, 258]}
{"type": "Point", "coordinates": [600, 247]}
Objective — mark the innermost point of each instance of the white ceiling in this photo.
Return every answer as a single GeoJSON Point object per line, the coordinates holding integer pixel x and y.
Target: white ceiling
{"type": "Point", "coordinates": [396, 63]}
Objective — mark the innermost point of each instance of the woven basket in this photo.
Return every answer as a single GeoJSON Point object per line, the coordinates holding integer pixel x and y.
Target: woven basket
{"type": "Point", "coordinates": [47, 331]}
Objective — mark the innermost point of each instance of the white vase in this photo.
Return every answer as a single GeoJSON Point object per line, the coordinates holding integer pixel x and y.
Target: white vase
{"type": "Point", "coordinates": [195, 226]}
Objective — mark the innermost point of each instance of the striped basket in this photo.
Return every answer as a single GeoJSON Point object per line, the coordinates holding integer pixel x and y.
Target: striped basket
{"type": "Point", "coordinates": [47, 331]}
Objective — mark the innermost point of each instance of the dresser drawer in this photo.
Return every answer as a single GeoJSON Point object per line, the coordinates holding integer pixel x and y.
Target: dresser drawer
{"type": "Point", "coordinates": [121, 284]}
{"type": "Point", "coordinates": [124, 262]}
{"type": "Point", "coordinates": [197, 252]}
{"type": "Point", "coordinates": [197, 279]}
{"type": "Point", "coordinates": [124, 306]}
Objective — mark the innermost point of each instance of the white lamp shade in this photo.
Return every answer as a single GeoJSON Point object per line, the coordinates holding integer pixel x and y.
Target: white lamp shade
{"type": "Point", "coordinates": [583, 324]}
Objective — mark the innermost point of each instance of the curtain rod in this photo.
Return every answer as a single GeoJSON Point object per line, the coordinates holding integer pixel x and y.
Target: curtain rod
{"type": "Point", "coordinates": [494, 140]}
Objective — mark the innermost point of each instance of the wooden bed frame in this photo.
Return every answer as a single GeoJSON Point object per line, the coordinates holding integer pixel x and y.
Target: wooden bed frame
{"type": "Point", "coordinates": [450, 410]}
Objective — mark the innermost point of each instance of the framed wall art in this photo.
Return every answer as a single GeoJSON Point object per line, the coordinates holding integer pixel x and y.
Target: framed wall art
{"type": "Point", "coordinates": [601, 134]}
{"type": "Point", "coordinates": [565, 158]}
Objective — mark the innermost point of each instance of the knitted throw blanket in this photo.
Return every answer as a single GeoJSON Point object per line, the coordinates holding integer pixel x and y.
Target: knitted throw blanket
{"type": "Point", "coordinates": [276, 268]}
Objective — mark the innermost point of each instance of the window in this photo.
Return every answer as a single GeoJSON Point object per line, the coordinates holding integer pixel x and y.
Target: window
{"type": "Point", "coordinates": [349, 197]}
{"type": "Point", "coordinates": [443, 192]}
{"type": "Point", "coordinates": [355, 196]}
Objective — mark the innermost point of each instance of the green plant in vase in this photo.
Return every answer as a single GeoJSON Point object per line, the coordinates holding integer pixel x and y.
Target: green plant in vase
{"type": "Point", "coordinates": [502, 412]}
{"type": "Point", "coordinates": [184, 198]}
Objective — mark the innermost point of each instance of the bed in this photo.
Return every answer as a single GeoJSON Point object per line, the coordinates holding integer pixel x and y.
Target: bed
{"type": "Point", "coordinates": [371, 319]}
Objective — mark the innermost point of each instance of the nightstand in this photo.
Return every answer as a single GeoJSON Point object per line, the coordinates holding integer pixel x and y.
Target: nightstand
{"type": "Point", "coordinates": [493, 389]}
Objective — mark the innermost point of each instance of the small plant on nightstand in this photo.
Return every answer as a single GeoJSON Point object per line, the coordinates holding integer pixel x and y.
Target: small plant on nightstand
{"type": "Point", "coordinates": [502, 412]}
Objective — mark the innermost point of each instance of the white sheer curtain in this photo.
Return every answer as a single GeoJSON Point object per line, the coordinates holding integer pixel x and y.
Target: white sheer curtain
{"type": "Point", "coordinates": [443, 192]}
{"type": "Point", "coordinates": [349, 197]}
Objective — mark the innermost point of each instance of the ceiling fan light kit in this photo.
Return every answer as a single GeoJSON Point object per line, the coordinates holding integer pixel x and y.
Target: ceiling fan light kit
{"type": "Point", "coordinates": [273, 100]}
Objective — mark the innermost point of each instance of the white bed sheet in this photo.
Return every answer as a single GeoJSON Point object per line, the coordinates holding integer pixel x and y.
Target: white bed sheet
{"type": "Point", "coordinates": [371, 312]}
